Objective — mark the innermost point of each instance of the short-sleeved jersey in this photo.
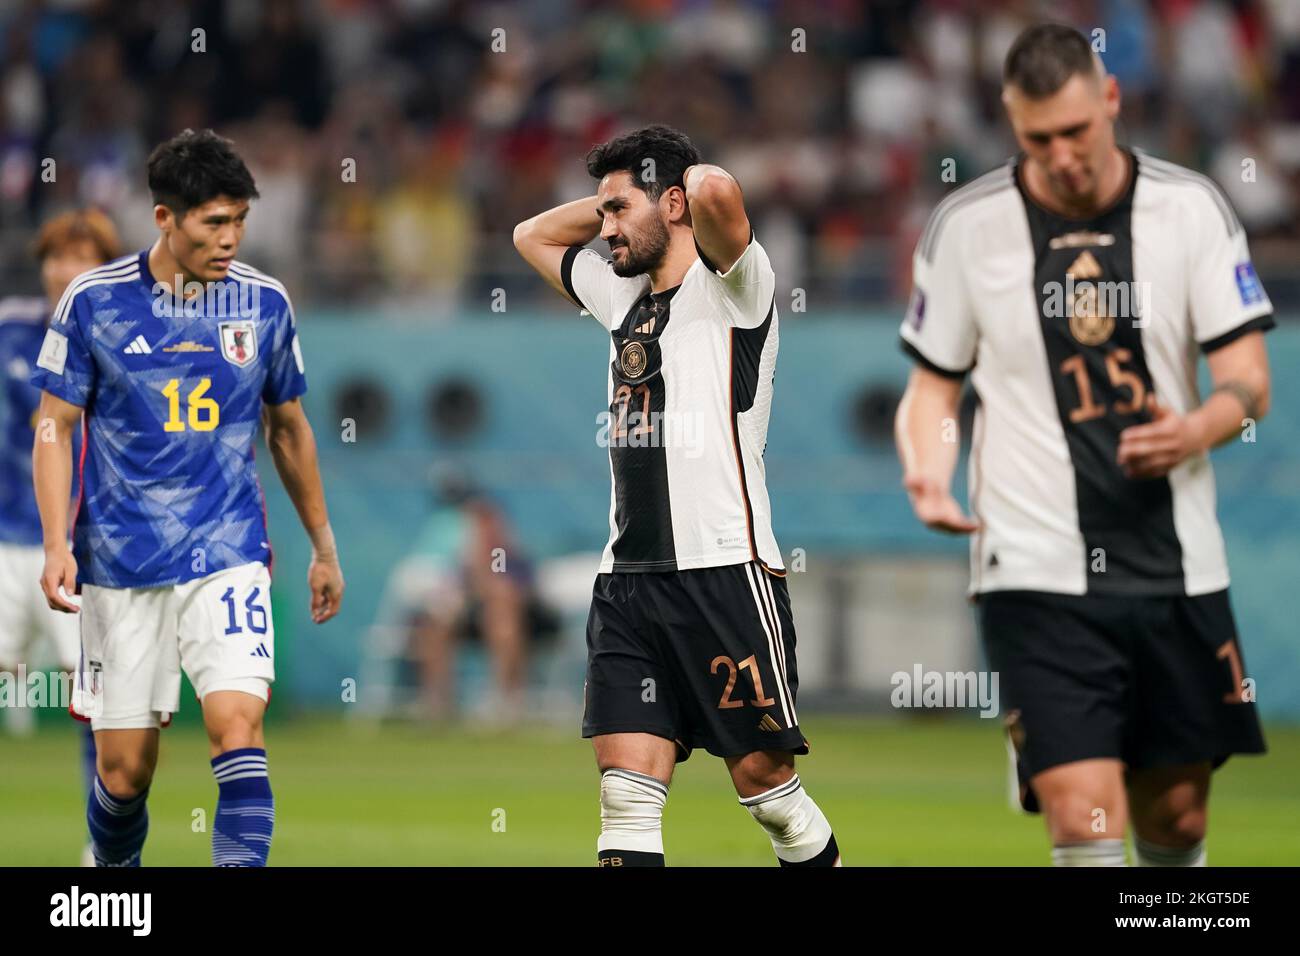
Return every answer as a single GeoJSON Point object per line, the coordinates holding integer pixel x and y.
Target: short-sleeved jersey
{"type": "Point", "coordinates": [22, 330]}
{"type": "Point", "coordinates": [689, 397]}
{"type": "Point", "coordinates": [173, 393]}
{"type": "Point", "coordinates": [1068, 327]}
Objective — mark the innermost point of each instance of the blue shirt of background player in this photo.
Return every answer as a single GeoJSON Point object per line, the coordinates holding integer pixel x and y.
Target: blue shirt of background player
{"type": "Point", "coordinates": [173, 398]}
{"type": "Point", "coordinates": [22, 329]}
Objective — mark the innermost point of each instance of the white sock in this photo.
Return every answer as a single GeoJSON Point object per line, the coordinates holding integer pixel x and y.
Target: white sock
{"type": "Point", "coordinates": [1152, 854]}
{"type": "Point", "coordinates": [1090, 853]}
{"type": "Point", "coordinates": [631, 812]}
{"type": "Point", "coordinates": [796, 826]}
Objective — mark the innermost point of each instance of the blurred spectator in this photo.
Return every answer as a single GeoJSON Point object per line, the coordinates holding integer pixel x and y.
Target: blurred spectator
{"type": "Point", "coordinates": [470, 581]}
{"type": "Point", "coordinates": [461, 118]}
{"type": "Point", "coordinates": [426, 231]}
{"type": "Point", "coordinates": [1247, 168]}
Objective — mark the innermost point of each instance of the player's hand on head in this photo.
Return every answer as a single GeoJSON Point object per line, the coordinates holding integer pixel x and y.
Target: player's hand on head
{"type": "Point", "coordinates": [1153, 449]}
{"type": "Point", "coordinates": [325, 578]}
{"type": "Point", "coordinates": [936, 508]}
{"type": "Point", "coordinates": [60, 572]}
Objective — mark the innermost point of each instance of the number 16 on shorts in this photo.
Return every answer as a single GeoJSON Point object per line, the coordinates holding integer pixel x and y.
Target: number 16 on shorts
{"type": "Point", "coordinates": [229, 642]}
{"type": "Point", "coordinates": [233, 639]}
{"type": "Point", "coordinates": [247, 616]}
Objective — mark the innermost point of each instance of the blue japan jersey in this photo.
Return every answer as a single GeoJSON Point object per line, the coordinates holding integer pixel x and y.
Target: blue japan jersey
{"type": "Point", "coordinates": [22, 329]}
{"type": "Point", "coordinates": [173, 393]}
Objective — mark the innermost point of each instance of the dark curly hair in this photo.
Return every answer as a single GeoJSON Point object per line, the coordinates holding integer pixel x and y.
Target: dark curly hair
{"type": "Point", "coordinates": [671, 151]}
{"type": "Point", "coordinates": [192, 168]}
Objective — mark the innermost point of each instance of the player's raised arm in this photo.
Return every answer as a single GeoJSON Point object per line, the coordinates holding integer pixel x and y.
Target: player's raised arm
{"type": "Point", "coordinates": [52, 477]}
{"type": "Point", "coordinates": [544, 239]}
{"type": "Point", "coordinates": [718, 216]}
{"type": "Point", "coordinates": [293, 448]}
{"type": "Point", "coordinates": [925, 430]}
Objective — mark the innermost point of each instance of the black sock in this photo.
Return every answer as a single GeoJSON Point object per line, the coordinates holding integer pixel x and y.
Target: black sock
{"type": "Point", "coordinates": [826, 857]}
{"type": "Point", "coordinates": [628, 858]}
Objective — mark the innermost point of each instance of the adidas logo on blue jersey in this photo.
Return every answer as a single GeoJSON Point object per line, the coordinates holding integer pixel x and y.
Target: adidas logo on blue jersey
{"type": "Point", "coordinates": [138, 346]}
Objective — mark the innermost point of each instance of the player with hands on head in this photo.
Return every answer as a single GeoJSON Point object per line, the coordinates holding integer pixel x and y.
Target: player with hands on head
{"type": "Point", "coordinates": [690, 638]}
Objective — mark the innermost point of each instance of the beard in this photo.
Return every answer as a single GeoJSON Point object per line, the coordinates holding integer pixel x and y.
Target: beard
{"type": "Point", "coordinates": [646, 253]}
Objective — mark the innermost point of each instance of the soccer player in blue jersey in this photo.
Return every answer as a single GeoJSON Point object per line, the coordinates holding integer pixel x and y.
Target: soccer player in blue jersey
{"type": "Point", "coordinates": [67, 245]}
{"type": "Point", "coordinates": [174, 354]}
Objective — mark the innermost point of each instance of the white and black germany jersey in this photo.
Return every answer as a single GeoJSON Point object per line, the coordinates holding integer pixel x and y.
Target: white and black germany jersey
{"type": "Point", "coordinates": [690, 393]}
{"type": "Point", "coordinates": [1068, 326]}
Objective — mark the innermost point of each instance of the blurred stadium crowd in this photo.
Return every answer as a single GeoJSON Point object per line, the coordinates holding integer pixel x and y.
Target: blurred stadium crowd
{"type": "Point", "coordinates": [839, 145]}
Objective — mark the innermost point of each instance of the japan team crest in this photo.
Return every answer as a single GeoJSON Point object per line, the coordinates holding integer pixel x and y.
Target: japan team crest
{"type": "Point", "coordinates": [238, 341]}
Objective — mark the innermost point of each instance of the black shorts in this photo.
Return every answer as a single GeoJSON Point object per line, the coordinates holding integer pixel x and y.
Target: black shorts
{"type": "Point", "coordinates": [704, 658]}
{"type": "Point", "coordinates": [1152, 681]}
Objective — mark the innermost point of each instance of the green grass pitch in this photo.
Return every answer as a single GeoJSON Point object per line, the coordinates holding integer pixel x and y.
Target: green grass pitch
{"type": "Point", "coordinates": [897, 792]}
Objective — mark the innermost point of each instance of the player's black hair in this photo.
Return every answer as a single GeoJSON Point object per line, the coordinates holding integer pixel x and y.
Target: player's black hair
{"type": "Point", "coordinates": [1044, 57]}
{"type": "Point", "coordinates": [192, 168]}
{"type": "Point", "coordinates": [671, 150]}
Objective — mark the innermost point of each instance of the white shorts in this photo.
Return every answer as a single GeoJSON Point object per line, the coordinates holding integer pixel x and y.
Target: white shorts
{"type": "Point", "coordinates": [26, 620]}
{"type": "Point", "coordinates": [135, 641]}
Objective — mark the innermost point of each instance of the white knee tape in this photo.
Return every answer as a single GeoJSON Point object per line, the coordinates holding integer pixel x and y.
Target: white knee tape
{"type": "Point", "coordinates": [1090, 853]}
{"type": "Point", "coordinates": [1152, 854]}
{"type": "Point", "coordinates": [631, 811]}
{"type": "Point", "coordinates": [796, 826]}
